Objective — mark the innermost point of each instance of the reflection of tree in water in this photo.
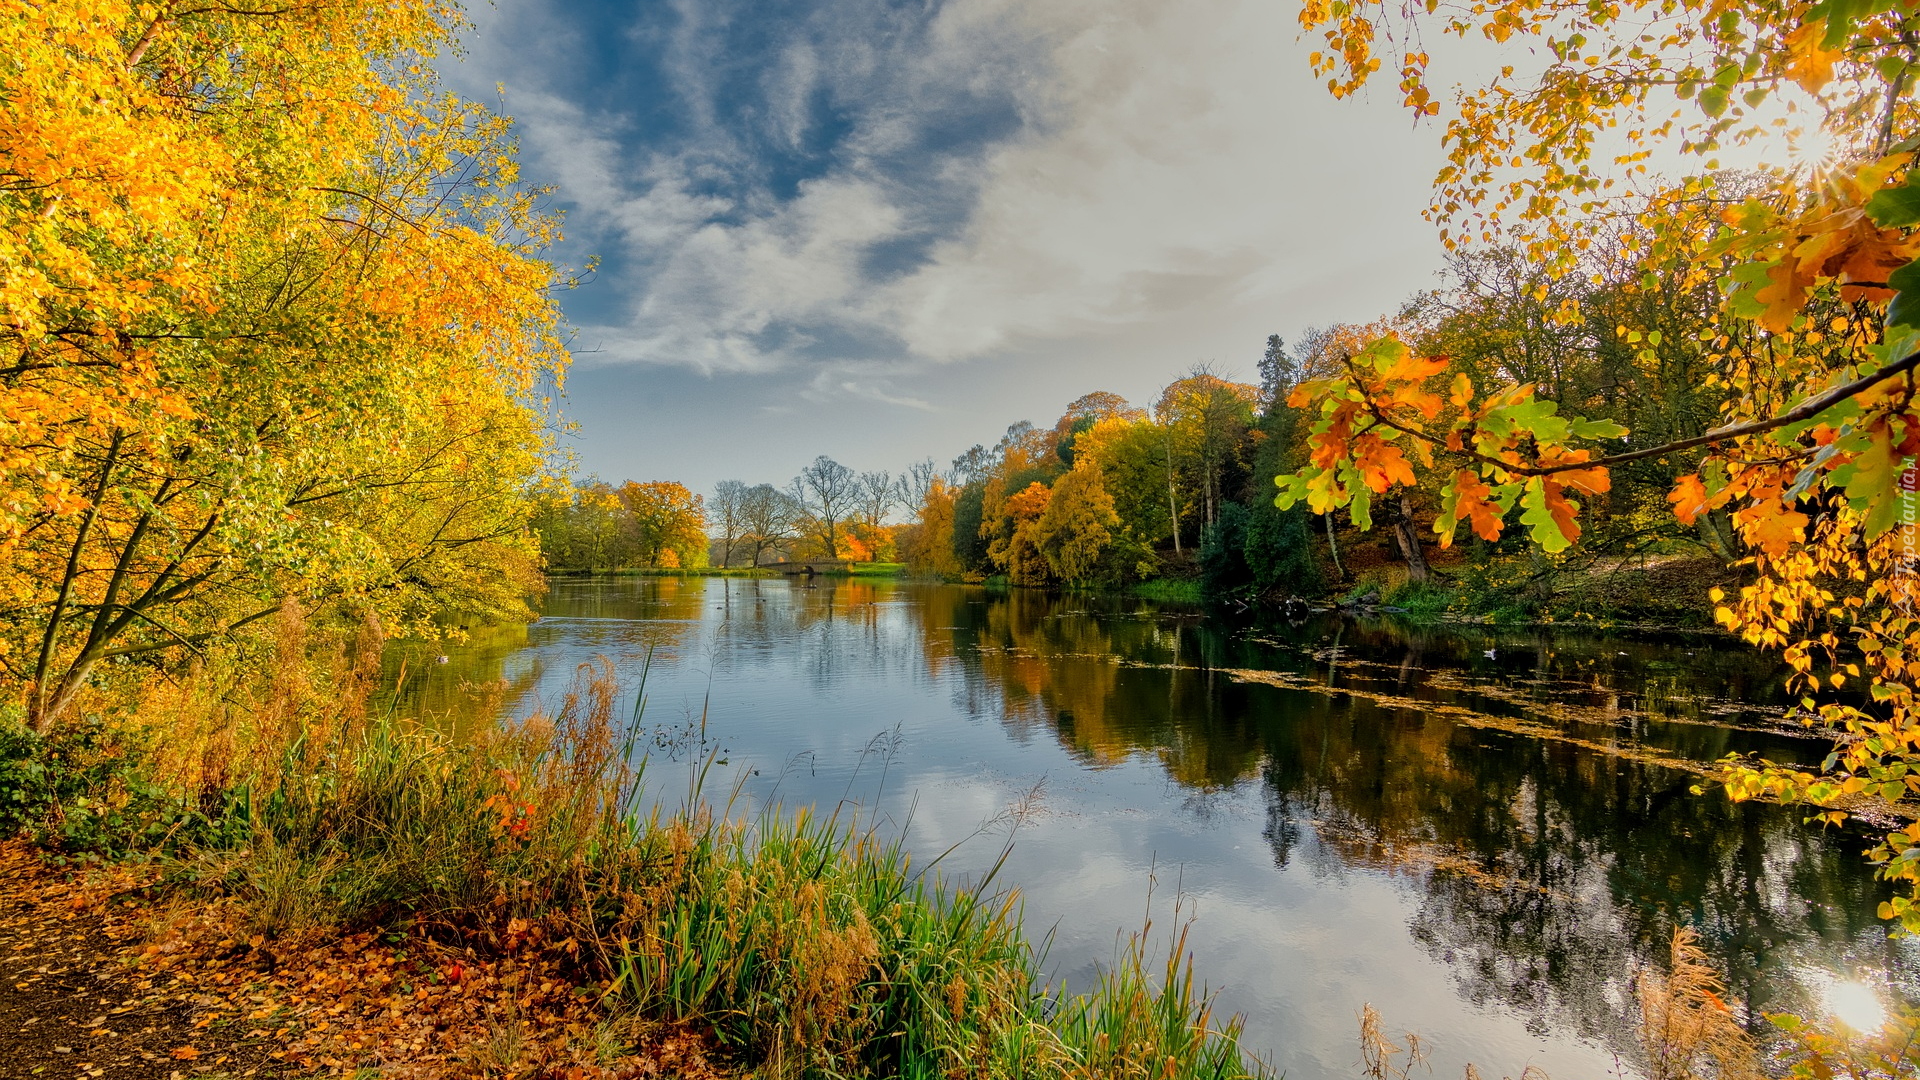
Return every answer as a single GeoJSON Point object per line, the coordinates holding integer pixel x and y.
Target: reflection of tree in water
{"type": "Point", "coordinates": [1548, 871]}
{"type": "Point", "coordinates": [837, 628]}
{"type": "Point", "coordinates": [506, 670]}
{"type": "Point", "coordinates": [1070, 666]}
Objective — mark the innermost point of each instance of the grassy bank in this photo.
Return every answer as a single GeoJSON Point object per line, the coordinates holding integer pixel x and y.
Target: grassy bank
{"type": "Point", "coordinates": [795, 946]}
{"type": "Point", "coordinates": [1170, 590]}
{"type": "Point", "coordinates": [657, 571]}
{"type": "Point", "coordinates": [877, 569]}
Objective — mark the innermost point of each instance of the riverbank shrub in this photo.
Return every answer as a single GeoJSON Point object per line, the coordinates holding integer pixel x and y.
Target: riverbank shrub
{"type": "Point", "coordinates": [1224, 568]}
{"type": "Point", "coordinates": [1171, 591]}
{"type": "Point", "coordinates": [1421, 599]}
{"type": "Point", "coordinates": [88, 792]}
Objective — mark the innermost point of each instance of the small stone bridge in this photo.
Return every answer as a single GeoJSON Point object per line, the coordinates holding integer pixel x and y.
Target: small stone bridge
{"type": "Point", "coordinates": [809, 567]}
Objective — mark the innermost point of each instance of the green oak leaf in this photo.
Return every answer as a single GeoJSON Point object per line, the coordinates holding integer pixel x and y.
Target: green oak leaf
{"type": "Point", "coordinates": [1544, 529]}
{"type": "Point", "coordinates": [1895, 207]}
{"type": "Point", "coordinates": [1293, 488]}
{"type": "Point", "coordinates": [1905, 309]}
{"type": "Point", "coordinates": [1598, 429]}
{"type": "Point", "coordinates": [1360, 507]}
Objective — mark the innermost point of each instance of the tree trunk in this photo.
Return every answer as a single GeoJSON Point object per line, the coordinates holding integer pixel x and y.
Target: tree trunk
{"type": "Point", "coordinates": [1408, 534]}
{"type": "Point", "coordinates": [1173, 505]}
{"type": "Point", "coordinates": [1173, 511]}
{"type": "Point", "coordinates": [1333, 549]}
{"type": "Point", "coordinates": [1716, 540]}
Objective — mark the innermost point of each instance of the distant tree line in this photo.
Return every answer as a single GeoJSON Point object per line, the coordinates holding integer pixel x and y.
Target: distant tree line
{"type": "Point", "coordinates": [827, 512]}
{"type": "Point", "coordinates": [593, 525]}
{"type": "Point", "coordinates": [1111, 493]}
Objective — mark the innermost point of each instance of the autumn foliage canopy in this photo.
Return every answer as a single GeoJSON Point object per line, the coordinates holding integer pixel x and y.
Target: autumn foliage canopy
{"type": "Point", "coordinates": [276, 326]}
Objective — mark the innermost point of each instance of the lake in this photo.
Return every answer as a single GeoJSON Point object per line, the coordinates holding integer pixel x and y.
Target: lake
{"type": "Point", "coordinates": [1483, 832]}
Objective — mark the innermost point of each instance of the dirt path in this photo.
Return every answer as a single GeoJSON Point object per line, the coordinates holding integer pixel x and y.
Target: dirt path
{"type": "Point", "coordinates": [71, 1008]}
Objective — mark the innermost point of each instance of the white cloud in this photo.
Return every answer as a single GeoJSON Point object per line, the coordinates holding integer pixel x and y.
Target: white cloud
{"type": "Point", "coordinates": [1160, 170]}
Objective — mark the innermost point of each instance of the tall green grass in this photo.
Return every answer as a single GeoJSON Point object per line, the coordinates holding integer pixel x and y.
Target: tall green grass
{"type": "Point", "coordinates": [1170, 590]}
{"type": "Point", "coordinates": [807, 946]}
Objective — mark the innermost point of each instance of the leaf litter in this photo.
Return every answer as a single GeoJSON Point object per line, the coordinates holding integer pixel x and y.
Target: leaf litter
{"type": "Point", "coordinates": [105, 975]}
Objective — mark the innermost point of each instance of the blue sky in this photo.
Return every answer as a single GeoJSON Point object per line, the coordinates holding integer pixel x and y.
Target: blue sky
{"type": "Point", "coordinates": [885, 231]}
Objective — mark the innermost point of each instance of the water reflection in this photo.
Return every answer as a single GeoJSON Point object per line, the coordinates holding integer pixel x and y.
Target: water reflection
{"type": "Point", "coordinates": [1514, 807]}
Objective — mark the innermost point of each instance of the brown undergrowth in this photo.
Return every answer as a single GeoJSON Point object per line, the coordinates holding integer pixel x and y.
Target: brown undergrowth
{"type": "Point", "coordinates": [320, 1003]}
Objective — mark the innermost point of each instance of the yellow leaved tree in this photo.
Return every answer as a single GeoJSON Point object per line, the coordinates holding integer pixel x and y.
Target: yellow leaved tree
{"type": "Point", "coordinates": [277, 326]}
{"type": "Point", "coordinates": [1814, 345]}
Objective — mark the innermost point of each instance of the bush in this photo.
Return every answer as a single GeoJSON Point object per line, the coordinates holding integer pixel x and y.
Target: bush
{"type": "Point", "coordinates": [1420, 599]}
{"type": "Point", "coordinates": [1257, 549]}
{"type": "Point", "coordinates": [1170, 591]}
{"type": "Point", "coordinates": [1223, 553]}
{"type": "Point", "coordinates": [86, 791]}
{"type": "Point", "coordinates": [1279, 544]}
{"type": "Point", "coordinates": [1279, 550]}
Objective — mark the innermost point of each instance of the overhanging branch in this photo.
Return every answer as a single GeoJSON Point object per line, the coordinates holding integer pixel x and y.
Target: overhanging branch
{"type": "Point", "coordinates": [1806, 410]}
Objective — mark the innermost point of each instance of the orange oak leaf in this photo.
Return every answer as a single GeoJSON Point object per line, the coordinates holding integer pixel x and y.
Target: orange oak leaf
{"type": "Point", "coordinates": [1808, 64]}
{"type": "Point", "coordinates": [1689, 498]}
{"type": "Point", "coordinates": [1771, 526]}
{"type": "Point", "coordinates": [1475, 506]}
{"type": "Point", "coordinates": [1381, 463]}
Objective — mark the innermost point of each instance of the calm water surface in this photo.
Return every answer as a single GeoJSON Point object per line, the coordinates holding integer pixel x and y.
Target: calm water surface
{"type": "Point", "coordinates": [1481, 833]}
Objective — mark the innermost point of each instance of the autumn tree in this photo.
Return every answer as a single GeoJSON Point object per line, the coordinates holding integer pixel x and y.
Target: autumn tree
{"type": "Point", "coordinates": [1505, 319]}
{"type": "Point", "coordinates": [827, 492]}
{"type": "Point", "coordinates": [1131, 456]}
{"type": "Point", "coordinates": [874, 497]}
{"type": "Point", "coordinates": [278, 321]}
{"type": "Point", "coordinates": [911, 489]}
{"type": "Point", "coordinates": [972, 466]}
{"type": "Point", "coordinates": [726, 512]}
{"type": "Point", "coordinates": [768, 517]}
{"type": "Point", "coordinates": [1077, 527]}
{"type": "Point", "coordinates": [583, 526]}
{"type": "Point", "coordinates": [929, 548]}
{"type": "Point", "coordinates": [1017, 549]}
{"type": "Point", "coordinates": [668, 523]}
{"type": "Point", "coordinates": [1206, 420]}
{"type": "Point", "coordinates": [1082, 414]}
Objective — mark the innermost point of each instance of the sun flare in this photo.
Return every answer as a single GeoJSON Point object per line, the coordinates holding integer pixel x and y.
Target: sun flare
{"type": "Point", "coordinates": [1856, 1005]}
{"type": "Point", "coordinates": [1816, 150]}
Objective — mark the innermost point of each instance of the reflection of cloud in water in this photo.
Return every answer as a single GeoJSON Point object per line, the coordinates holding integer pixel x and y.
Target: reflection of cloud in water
{"type": "Point", "coordinates": [1482, 845]}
